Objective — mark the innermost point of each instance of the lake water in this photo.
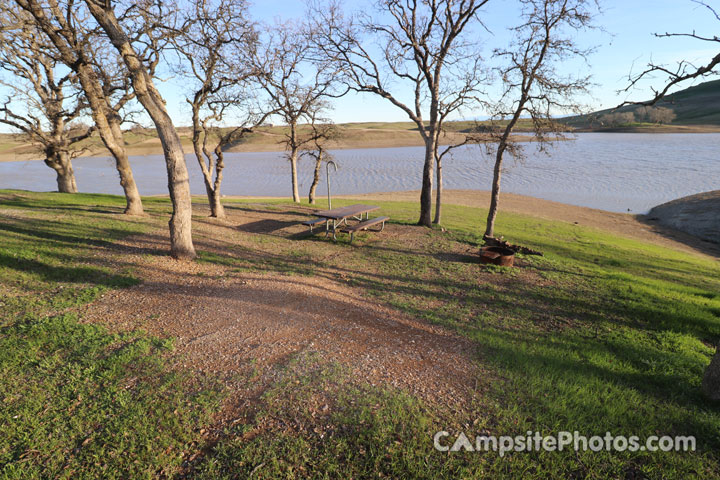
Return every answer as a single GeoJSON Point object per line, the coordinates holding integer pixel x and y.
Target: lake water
{"type": "Point", "coordinates": [616, 172]}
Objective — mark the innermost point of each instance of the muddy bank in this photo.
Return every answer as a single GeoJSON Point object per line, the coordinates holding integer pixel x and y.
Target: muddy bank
{"type": "Point", "coordinates": [698, 215]}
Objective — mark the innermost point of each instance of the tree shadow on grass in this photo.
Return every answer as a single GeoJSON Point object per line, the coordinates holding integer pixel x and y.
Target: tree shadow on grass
{"type": "Point", "coordinates": [266, 226]}
{"type": "Point", "coordinates": [58, 273]}
{"type": "Point", "coordinates": [73, 234]}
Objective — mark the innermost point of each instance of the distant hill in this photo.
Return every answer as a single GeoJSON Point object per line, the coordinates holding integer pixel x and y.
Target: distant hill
{"type": "Point", "coordinates": [698, 105]}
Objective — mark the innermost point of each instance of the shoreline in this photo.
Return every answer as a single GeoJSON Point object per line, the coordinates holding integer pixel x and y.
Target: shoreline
{"type": "Point", "coordinates": [634, 226]}
{"type": "Point", "coordinates": [357, 138]}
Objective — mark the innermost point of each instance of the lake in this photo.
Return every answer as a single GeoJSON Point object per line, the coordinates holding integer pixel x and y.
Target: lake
{"type": "Point", "coordinates": [609, 171]}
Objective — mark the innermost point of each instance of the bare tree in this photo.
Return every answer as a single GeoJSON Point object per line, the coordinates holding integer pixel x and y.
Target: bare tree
{"type": "Point", "coordinates": [213, 36]}
{"type": "Point", "coordinates": [295, 84]}
{"type": "Point", "coordinates": [683, 71]}
{"type": "Point", "coordinates": [106, 87]}
{"type": "Point", "coordinates": [620, 118]}
{"type": "Point", "coordinates": [315, 146]}
{"type": "Point", "coordinates": [427, 50]}
{"type": "Point", "coordinates": [660, 115]}
{"type": "Point", "coordinates": [533, 86]}
{"type": "Point", "coordinates": [181, 243]}
{"type": "Point", "coordinates": [44, 103]}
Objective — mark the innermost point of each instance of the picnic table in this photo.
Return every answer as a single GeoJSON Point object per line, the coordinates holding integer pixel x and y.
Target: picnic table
{"type": "Point", "coordinates": [340, 216]}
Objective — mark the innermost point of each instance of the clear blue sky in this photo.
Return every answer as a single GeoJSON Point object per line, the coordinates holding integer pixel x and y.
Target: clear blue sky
{"type": "Point", "coordinates": [626, 40]}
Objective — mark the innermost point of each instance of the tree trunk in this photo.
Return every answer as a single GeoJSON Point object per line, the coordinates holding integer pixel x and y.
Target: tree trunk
{"type": "Point", "coordinates": [495, 194]}
{"type": "Point", "coordinates": [61, 163]}
{"type": "Point", "coordinates": [438, 187]}
{"type": "Point", "coordinates": [213, 194]}
{"type": "Point", "coordinates": [181, 245]}
{"type": "Point", "coordinates": [108, 127]}
{"type": "Point", "coordinates": [316, 178]}
{"type": "Point", "coordinates": [216, 207]}
{"type": "Point", "coordinates": [427, 180]}
{"type": "Point", "coordinates": [116, 144]}
{"type": "Point", "coordinates": [293, 172]}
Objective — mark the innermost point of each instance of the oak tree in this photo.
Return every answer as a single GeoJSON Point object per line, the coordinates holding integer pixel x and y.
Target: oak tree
{"type": "Point", "coordinates": [427, 63]}
{"type": "Point", "coordinates": [295, 83]}
{"type": "Point", "coordinates": [74, 42]}
{"type": "Point", "coordinates": [181, 244]}
{"type": "Point", "coordinates": [44, 101]}
{"type": "Point", "coordinates": [533, 85]}
{"type": "Point", "coordinates": [212, 40]}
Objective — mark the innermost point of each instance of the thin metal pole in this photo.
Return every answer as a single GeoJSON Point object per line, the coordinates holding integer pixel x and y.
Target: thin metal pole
{"type": "Point", "coordinates": [327, 178]}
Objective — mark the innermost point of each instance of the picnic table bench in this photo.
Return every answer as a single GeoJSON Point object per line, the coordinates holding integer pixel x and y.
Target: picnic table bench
{"type": "Point", "coordinates": [351, 229]}
{"type": "Point", "coordinates": [314, 221]}
{"type": "Point", "coordinates": [337, 217]}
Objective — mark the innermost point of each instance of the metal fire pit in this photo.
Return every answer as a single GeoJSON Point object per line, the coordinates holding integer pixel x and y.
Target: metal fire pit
{"type": "Point", "coordinates": [497, 256]}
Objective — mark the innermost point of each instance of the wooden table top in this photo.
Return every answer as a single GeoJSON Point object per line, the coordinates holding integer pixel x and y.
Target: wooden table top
{"type": "Point", "coordinates": [344, 212]}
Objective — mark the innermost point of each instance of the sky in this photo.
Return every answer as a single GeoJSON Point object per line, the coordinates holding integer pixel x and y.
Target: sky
{"type": "Point", "coordinates": [625, 42]}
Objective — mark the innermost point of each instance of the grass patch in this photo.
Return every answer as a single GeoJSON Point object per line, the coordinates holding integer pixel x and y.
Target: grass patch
{"type": "Point", "coordinates": [77, 401]}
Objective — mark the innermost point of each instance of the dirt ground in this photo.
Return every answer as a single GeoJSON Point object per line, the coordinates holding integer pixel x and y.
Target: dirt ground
{"type": "Point", "coordinates": [227, 322]}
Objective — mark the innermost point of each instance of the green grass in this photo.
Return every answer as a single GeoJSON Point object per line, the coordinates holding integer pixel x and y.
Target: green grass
{"type": "Point", "coordinates": [601, 334]}
{"type": "Point", "coordinates": [77, 401]}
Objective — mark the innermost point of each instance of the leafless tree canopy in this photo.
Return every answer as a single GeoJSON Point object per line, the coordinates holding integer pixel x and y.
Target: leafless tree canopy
{"type": "Point", "coordinates": [211, 40]}
{"type": "Point", "coordinates": [315, 146]}
{"type": "Point", "coordinates": [533, 84]}
{"type": "Point", "coordinates": [683, 70]}
{"type": "Point", "coordinates": [45, 101]}
{"type": "Point", "coordinates": [428, 64]}
{"type": "Point", "coordinates": [298, 86]}
{"type": "Point", "coordinates": [617, 118]}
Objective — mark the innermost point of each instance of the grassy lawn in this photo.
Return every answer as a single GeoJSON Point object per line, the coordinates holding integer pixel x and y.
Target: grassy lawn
{"type": "Point", "coordinates": [601, 334]}
{"type": "Point", "coordinates": [77, 401]}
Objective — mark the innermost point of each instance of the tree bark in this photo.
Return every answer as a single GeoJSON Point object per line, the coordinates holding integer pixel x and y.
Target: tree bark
{"type": "Point", "coordinates": [316, 178]}
{"type": "Point", "coordinates": [293, 172]}
{"type": "Point", "coordinates": [427, 181]}
{"type": "Point", "coordinates": [61, 163]}
{"type": "Point", "coordinates": [216, 207]}
{"type": "Point", "coordinates": [495, 194]}
{"type": "Point", "coordinates": [438, 186]}
{"type": "Point", "coordinates": [115, 143]}
{"type": "Point", "coordinates": [181, 245]}
{"type": "Point", "coordinates": [213, 194]}
{"type": "Point", "coordinates": [202, 153]}
{"type": "Point", "coordinates": [112, 137]}
{"type": "Point", "coordinates": [293, 143]}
